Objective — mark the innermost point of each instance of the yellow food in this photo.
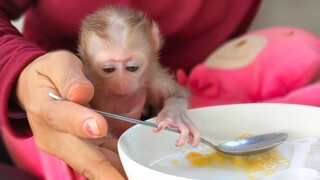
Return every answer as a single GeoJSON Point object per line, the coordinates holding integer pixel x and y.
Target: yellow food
{"type": "Point", "coordinates": [174, 161]}
{"type": "Point", "coordinates": [265, 163]}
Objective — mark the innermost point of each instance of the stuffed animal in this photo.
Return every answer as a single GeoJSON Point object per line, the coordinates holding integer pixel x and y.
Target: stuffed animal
{"type": "Point", "coordinates": [278, 65]}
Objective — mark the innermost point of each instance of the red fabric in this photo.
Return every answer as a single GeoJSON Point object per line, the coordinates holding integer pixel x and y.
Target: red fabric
{"type": "Point", "coordinates": [192, 29]}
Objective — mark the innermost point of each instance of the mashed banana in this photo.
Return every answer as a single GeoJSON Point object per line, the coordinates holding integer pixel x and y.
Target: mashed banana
{"type": "Point", "coordinates": [265, 163]}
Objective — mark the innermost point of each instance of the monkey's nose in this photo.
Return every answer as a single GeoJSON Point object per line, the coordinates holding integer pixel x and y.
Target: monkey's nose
{"type": "Point", "coordinates": [123, 85]}
{"type": "Point", "coordinates": [122, 88]}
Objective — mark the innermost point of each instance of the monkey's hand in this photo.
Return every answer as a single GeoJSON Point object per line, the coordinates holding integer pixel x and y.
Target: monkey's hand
{"type": "Point", "coordinates": [174, 114]}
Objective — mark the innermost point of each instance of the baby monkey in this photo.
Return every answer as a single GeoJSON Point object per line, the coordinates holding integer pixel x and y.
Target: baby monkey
{"type": "Point", "coordinates": [119, 48]}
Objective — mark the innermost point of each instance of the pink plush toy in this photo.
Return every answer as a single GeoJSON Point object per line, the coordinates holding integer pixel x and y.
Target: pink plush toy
{"type": "Point", "coordinates": [280, 64]}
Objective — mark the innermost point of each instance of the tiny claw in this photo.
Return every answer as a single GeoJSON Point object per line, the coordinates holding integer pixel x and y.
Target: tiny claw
{"type": "Point", "coordinates": [162, 125]}
{"type": "Point", "coordinates": [179, 143]}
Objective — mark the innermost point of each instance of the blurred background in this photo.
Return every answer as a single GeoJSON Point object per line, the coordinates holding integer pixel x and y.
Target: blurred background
{"type": "Point", "coordinates": [300, 13]}
{"type": "Point", "coordinates": [304, 14]}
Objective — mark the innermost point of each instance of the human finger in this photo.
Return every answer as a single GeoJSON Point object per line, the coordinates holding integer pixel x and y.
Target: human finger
{"type": "Point", "coordinates": [88, 160]}
{"type": "Point", "coordinates": [65, 70]}
{"type": "Point", "coordinates": [66, 116]}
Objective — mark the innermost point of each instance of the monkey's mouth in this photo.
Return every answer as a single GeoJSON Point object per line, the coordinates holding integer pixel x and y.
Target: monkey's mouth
{"type": "Point", "coordinates": [130, 105]}
{"type": "Point", "coordinates": [122, 94]}
{"type": "Point", "coordinates": [127, 93]}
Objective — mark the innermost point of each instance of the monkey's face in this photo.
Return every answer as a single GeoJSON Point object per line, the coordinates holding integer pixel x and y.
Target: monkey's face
{"type": "Point", "coordinates": [120, 73]}
{"type": "Point", "coordinates": [120, 63]}
{"type": "Point", "coordinates": [122, 77]}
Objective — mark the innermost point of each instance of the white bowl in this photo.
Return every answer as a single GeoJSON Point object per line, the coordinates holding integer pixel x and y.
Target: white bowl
{"type": "Point", "coordinates": [140, 148]}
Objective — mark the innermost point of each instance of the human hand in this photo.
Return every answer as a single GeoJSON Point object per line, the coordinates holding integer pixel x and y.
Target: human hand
{"type": "Point", "coordinates": [60, 127]}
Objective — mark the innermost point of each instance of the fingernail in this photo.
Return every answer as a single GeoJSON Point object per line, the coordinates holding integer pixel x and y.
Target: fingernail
{"type": "Point", "coordinates": [80, 92]}
{"type": "Point", "coordinates": [72, 88]}
{"type": "Point", "coordinates": [91, 127]}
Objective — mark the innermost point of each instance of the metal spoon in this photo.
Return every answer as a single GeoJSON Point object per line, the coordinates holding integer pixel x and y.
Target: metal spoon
{"type": "Point", "coordinates": [240, 147]}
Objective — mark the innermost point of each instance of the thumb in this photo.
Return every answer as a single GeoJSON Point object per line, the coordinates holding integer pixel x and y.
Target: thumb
{"type": "Point", "coordinates": [66, 72]}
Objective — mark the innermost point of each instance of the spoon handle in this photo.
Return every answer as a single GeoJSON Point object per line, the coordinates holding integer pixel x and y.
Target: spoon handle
{"type": "Point", "coordinates": [134, 121]}
{"type": "Point", "coordinates": [119, 117]}
{"type": "Point", "coordinates": [147, 123]}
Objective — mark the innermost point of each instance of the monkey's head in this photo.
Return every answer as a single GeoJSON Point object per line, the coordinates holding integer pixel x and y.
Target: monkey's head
{"type": "Point", "coordinates": [119, 48]}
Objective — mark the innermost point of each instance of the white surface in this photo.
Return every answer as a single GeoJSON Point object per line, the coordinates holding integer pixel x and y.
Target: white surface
{"type": "Point", "coordinates": [302, 147]}
{"type": "Point", "coordinates": [299, 13]}
{"type": "Point", "coordinates": [18, 23]}
{"type": "Point", "coordinates": [140, 148]}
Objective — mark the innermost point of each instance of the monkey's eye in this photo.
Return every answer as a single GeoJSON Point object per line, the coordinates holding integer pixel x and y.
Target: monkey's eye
{"type": "Point", "coordinates": [109, 69]}
{"type": "Point", "coordinates": [132, 68]}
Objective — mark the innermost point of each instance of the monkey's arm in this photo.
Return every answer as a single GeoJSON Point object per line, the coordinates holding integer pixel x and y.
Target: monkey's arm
{"type": "Point", "coordinates": [172, 101]}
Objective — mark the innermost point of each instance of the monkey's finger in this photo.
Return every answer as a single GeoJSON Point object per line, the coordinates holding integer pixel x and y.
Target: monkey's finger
{"type": "Point", "coordinates": [69, 117]}
{"type": "Point", "coordinates": [193, 140]}
{"type": "Point", "coordinates": [163, 123]}
{"type": "Point", "coordinates": [184, 134]}
{"type": "Point", "coordinates": [184, 131]}
{"type": "Point", "coordinates": [65, 70]}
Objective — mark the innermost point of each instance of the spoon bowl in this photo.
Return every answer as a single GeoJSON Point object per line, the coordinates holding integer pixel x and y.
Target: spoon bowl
{"type": "Point", "coordinates": [252, 145]}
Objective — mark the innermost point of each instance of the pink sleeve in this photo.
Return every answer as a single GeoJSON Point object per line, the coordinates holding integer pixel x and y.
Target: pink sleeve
{"type": "Point", "coordinates": [15, 53]}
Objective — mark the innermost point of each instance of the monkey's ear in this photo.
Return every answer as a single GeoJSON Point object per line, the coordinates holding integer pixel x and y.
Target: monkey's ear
{"type": "Point", "coordinates": [156, 35]}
